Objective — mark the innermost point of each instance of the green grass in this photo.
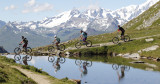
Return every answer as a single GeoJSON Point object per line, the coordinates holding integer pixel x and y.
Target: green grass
{"type": "Point", "coordinates": [10, 75]}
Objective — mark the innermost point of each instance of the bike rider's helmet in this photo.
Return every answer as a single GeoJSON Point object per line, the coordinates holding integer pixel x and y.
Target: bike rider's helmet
{"type": "Point", "coordinates": [22, 37]}
{"type": "Point", "coordinates": [119, 26]}
{"type": "Point", "coordinates": [55, 36]}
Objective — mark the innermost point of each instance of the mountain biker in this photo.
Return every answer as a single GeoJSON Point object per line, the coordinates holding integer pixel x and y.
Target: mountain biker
{"type": "Point", "coordinates": [122, 31]}
{"type": "Point", "coordinates": [57, 40]}
{"type": "Point", "coordinates": [25, 41]}
{"type": "Point", "coordinates": [83, 36]}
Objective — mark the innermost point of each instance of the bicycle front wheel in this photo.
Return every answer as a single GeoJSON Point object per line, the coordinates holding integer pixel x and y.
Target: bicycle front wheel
{"type": "Point", "coordinates": [78, 62]}
{"type": "Point", "coordinates": [62, 60]}
{"type": "Point", "coordinates": [126, 38]}
{"type": "Point", "coordinates": [62, 47]}
{"type": "Point", "coordinates": [78, 45]}
{"type": "Point", "coordinates": [115, 40]}
{"type": "Point", "coordinates": [89, 43]}
{"type": "Point", "coordinates": [17, 57]}
{"type": "Point", "coordinates": [17, 51]}
{"type": "Point", "coordinates": [51, 58]}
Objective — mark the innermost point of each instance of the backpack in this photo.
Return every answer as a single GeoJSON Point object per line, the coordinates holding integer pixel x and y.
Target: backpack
{"type": "Point", "coordinates": [85, 33]}
{"type": "Point", "coordinates": [25, 40]}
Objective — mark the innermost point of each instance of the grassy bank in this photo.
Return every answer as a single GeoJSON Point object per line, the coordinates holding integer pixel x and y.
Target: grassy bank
{"type": "Point", "coordinates": [128, 47]}
{"type": "Point", "coordinates": [9, 75]}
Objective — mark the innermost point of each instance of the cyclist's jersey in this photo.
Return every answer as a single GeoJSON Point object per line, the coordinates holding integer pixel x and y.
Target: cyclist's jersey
{"type": "Point", "coordinates": [84, 35]}
{"type": "Point", "coordinates": [121, 29]}
{"type": "Point", "coordinates": [25, 40]}
{"type": "Point", "coordinates": [58, 39]}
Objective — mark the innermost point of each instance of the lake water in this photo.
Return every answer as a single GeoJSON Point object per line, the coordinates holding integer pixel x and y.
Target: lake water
{"type": "Point", "coordinates": [92, 72]}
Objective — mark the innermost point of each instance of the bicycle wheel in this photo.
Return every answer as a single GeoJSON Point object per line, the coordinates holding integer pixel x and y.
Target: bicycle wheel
{"type": "Point", "coordinates": [89, 43]}
{"type": "Point", "coordinates": [29, 50]}
{"type": "Point", "coordinates": [51, 49]}
{"type": "Point", "coordinates": [51, 58]}
{"type": "Point", "coordinates": [126, 68]}
{"type": "Point", "coordinates": [89, 63]}
{"type": "Point", "coordinates": [62, 47]}
{"type": "Point", "coordinates": [115, 40]}
{"type": "Point", "coordinates": [29, 58]}
{"type": "Point", "coordinates": [17, 57]}
{"type": "Point", "coordinates": [78, 62]}
{"type": "Point", "coordinates": [126, 38]}
{"type": "Point", "coordinates": [17, 51]}
{"type": "Point", "coordinates": [78, 45]}
{"type": "Point", "coordinates": [62, 60]}
{"type": "Point", "coordinates": [115, 66]}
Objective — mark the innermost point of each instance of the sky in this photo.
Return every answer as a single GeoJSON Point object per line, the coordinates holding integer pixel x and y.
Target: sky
{"type": "Point", "coordinates": [37, 10]}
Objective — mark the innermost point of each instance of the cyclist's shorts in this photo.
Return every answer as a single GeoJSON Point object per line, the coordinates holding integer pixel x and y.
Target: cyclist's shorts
{"type": "Point", "coordinates": [57, 42]}
{"type": "Point", "coordinates": [84, 39]}
{"type": "Point", "coordinates": [122, 34]}
{"type": "Point", "coordinates": [25, 45]}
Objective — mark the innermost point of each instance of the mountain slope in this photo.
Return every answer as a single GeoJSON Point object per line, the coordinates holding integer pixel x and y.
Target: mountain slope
{"type": "Point", "coordinates": [68, 24]}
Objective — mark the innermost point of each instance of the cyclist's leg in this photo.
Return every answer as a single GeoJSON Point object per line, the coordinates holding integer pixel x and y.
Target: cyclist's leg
{"type": "Point", "coordinates": [57, 45]}
{"type": "Point", "coordinates": [25, 47]}
{"type": "Point", "coordinates": [122, 35]}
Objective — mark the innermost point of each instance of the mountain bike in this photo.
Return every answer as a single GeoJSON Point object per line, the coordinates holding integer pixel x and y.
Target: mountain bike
{"type": "Point", "coordinates": [52, 59]}
{"type": "Point", "coordinates": [116, 39]}
{"type": "Point", "coordinates": [86, 62]}
{"type": "Point", "coordinates": [18, 57]}
{"type": "Point", "coordinates": [88, 43]}
{"type": "Point", "coordinates": [116, 67]}
{"type": "Point", "coordinates": [52, 48]}
{"type": "Point", "coordinates": [20, 49]}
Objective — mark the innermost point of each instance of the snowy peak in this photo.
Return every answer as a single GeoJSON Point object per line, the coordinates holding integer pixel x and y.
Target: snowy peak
{"type": "Point", "coordinates": [96, 18]}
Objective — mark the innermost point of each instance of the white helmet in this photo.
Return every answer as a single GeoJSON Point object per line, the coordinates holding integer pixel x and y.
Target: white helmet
{"type": "Point", "coordinates": [55, 36]}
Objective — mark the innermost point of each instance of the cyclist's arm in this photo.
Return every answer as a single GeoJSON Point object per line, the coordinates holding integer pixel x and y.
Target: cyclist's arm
{"type": "Point", "coordinates": [21, 42]}
{"type": "Point", "coordinates": [54, 40]}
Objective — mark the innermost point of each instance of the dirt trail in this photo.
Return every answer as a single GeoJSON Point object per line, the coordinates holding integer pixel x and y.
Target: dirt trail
{"type": "Point", "coordinates": [111, 43]}
{"type": "Point", "coordinates": [40, 79]}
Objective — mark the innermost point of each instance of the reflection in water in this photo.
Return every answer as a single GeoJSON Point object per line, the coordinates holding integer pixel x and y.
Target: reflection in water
{"type": "Point", "coordinates": [123, 68]}
{"type": "Point", "coordinates": [99, 73]}
{"type": "Point", "coordinates": [57, 62]}
{"type": "Point", "coordinates": [25, 60]}
{"type": "Point", "coordinates": [83, 66]}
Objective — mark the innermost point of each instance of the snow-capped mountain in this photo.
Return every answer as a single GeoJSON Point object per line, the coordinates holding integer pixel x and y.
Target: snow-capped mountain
{"type": "Point", "coordinates": [81, 20]}
{"type": "Point", "coordinates": [68, 24]}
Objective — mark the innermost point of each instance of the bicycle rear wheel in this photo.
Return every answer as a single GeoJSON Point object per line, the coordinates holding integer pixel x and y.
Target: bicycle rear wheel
{"type": "Point", "coordinates": [29, 50]}
{"type": "Point", "coordinates": [78, 45]}
{"type": "Point", "coordinates": [115, 40]}
{"type": "Point", "coordinates": [17, 51]}
{"type": "Point", "coordinates": [62, 47]}
{"type": "Point", "coordinates": [89, 43]}
{"type": "Point", "coordinates": [51, 49]}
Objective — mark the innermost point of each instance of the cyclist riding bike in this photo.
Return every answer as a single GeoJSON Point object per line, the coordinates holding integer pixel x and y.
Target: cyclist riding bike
{"type": "Point", "coordinates": [25, 41]}
{"type": "Point", "coordinates": [122, 31]}
{"type": "Point", "coordinates": [57, 40]}
{"type": "Point", "coordinates": [83, 36]}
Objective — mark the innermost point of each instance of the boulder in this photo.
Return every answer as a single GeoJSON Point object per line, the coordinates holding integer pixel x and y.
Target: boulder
{"type": "Point", "coordinates": [149, 40]}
